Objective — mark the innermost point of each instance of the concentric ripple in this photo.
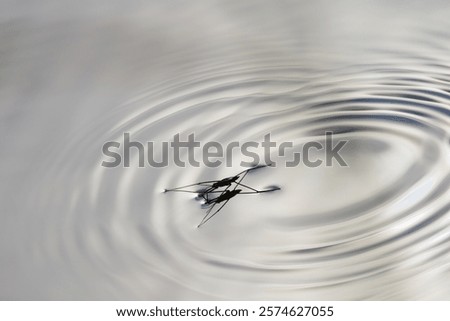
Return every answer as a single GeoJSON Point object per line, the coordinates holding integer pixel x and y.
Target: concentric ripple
{"type": "Point", "coordinates": [378, 228]}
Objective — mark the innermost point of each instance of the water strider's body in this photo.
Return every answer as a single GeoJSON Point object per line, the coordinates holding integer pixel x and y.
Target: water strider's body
{"type": "Point", "coordinates": [225, 196]}
{"type": "Point", "coordinates": [225, 182]}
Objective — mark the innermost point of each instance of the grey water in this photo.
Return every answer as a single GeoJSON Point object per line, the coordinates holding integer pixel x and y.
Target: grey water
{"type": "Point", "coordinates": [76, 74]}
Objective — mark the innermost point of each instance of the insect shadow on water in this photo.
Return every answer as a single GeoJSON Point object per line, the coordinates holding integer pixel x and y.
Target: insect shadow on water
{"type": "Point", "coordinates": [217, 191]}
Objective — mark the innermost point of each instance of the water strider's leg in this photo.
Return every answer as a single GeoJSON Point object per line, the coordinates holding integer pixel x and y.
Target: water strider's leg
{"type": "Point", "coordinates": [210, 217]}
{"type": "Point", "coordinates": [214, 204]}
{"type": "Point", "coordinates": [205, 183]}
{"type": "Point", "coordinates": [246, 186]}
{"type": "Point", "coordinates": [262, 191]}
{"type": "Point", "coordinates": [253, 168]}
{"type": "Point", "coordinates": [182, 190]}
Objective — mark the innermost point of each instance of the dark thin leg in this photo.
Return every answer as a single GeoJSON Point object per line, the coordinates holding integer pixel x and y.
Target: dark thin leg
{"type": "Point", "coordinates": [205, 183]}
{"type": "Point", "coordinates": [184, 191]}
{"type": "Point", "coordinates": [247, 187]}
{"type": "Point", "coordinates": [254, 168]}
{"type": "Point", "coordinates": [210, 209]}
{"type": "Point", "coordinates": [263, 191]}
{"type": "Point", "coordinates": [204, 221]}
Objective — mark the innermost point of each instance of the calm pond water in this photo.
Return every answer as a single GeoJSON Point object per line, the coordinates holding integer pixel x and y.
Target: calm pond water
{"type": "Point", "coordinates": [74, 75]}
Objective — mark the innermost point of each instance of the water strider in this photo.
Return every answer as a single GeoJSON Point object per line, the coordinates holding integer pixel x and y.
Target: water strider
{"type": "Point", "coordinates": [214, 187]}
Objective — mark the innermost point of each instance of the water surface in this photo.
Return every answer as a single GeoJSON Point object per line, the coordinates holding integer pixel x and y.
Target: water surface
{"type": "Point", "coordinates": [75, 75]}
